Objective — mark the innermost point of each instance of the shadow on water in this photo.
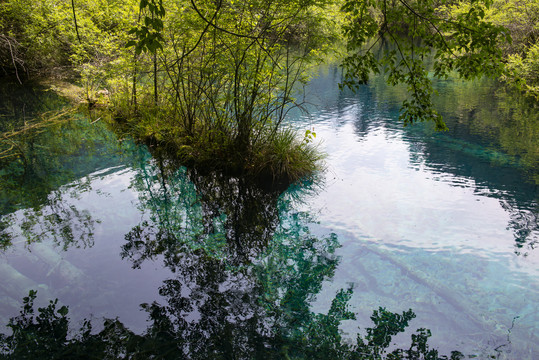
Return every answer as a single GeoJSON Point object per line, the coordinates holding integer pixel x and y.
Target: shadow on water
{"type": "Point", "coordinates": [22, 103]}
{"type": "Point", "coordinates": [46, 154]}
{"type": "Point", "coordinates": [226, 217]}
{"type": "Point", "coordinates": [493, 140]}
{"type": "Point", "coordinates": [245, 267]}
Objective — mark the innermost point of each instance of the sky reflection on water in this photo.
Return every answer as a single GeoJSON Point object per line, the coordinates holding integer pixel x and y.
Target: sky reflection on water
{"type": "Point", "coordinates": [444, 224]}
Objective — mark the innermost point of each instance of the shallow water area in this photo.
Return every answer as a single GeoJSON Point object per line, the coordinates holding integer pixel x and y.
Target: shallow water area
{"type": "Point", "coordinates": [445, 224]}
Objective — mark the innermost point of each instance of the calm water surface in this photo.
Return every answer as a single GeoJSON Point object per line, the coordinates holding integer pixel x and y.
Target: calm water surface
{"type": "Point", "coordinates": [442, 223]}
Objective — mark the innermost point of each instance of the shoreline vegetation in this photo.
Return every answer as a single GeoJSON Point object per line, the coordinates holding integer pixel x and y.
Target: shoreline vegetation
{"type": "Point", "coordinates": [209, 92]}
{"type": "Point", "coordinates": [211, 82]}
{"type": "Point", "coordinates": [283, 159]}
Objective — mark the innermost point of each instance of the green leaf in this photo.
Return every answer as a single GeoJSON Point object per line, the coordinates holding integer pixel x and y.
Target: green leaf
{"type": "Point", "coordinates": [63, 311]}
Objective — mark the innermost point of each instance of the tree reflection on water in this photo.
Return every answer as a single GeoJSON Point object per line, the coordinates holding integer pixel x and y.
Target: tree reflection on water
{"type": "Point", "coordinates": [246, 268]}
{"type": "Point", "coordinates": [227, 217]}
{"type": "Point", "coordinates": [245, 265]}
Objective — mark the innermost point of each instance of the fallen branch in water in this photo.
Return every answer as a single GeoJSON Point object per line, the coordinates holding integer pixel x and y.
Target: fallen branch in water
{"type": "Point", "coordinates": [47, 119]}
{"type": "Point", "coordinates": [57, 118]}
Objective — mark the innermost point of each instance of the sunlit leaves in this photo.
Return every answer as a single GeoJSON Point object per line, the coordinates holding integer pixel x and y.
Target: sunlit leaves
{"type": "Point", "coordinates": [149, 36]}
{"type": "Point", "coordinates": [522, 20]}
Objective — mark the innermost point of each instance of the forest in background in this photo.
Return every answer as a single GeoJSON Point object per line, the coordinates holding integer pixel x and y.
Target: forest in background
{"type": "Point", "coordinates": [87, 39]}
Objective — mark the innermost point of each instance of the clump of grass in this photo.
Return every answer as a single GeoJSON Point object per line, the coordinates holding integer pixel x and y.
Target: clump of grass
{"type": "Point", "coordinates": [286, 157]}
{"type": "Point", "coordinates": [281, 157]}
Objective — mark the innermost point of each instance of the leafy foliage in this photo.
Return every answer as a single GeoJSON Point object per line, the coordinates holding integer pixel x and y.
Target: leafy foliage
{"type": "Point", "coordinates": [522, 71]}
{"type": "Point", "coordinates": [41, 336]}
{"type": "Point", "coordinates": [45, 336]}
{"type": "Point", "coordinates": [47, 41]}
{"type": "Point", "coordinates": [224, 72]}
{"type": "Point", "coordinates": [520, 18]}
{"type": "Point", "coordinates": [456, 37]}
{"type": "Point", "coordinates": [227, 72]}
{"type": "Point", "coordinates": [149, 35]}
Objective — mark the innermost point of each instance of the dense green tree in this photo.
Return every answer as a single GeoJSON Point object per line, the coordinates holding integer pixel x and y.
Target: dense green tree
{"type": "Point", "coordinates": [227, 72]}
{"type": "Point", "coordinates": [45, 40]}
{"type": "Point", "coordinates": [521, 17]}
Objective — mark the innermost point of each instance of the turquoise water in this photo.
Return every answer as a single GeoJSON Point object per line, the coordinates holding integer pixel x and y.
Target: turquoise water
{"type": "Point", "coordinates": [444, 224]}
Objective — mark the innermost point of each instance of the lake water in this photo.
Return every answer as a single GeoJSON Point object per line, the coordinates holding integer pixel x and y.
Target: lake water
{"type": "Point", "coordinates": [403, 218]}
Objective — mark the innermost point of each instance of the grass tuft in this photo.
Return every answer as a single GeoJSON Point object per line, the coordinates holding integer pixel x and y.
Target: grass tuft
{"type": "Point", "coordinates": [287, 157]}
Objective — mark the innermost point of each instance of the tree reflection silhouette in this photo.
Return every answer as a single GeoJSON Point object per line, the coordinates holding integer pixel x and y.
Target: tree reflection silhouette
{"type": "Point", "coordinates": [227, 217]}
{"type": "Point", "coordinates": [246, 270]}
